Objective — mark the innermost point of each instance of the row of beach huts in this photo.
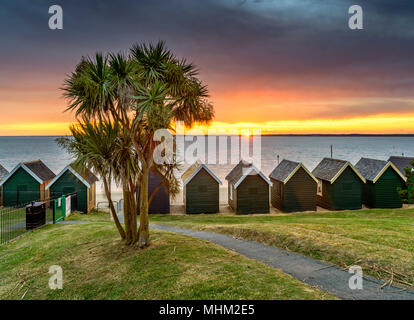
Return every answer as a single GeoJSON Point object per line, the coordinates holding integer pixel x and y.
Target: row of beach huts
{"type": "Point", "coordinates": [34, 181]}
{"type": "Point", "coordinates": [334, 184]}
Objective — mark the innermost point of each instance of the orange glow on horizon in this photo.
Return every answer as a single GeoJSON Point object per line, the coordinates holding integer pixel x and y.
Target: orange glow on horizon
{"type": "Point", "coordinates": [363, 125]}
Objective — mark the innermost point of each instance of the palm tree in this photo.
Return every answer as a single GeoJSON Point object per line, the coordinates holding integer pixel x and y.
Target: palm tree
{"type": "Point", "coordinates": [168, 91]}
{"type": "Point", "coordinates": [92, 145]}
{"type": "Point", "coordinates": [144, 92]}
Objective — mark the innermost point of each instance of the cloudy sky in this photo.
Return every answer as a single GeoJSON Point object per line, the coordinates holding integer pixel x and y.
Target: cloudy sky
{"type": "Point", "coordinates": [285, 66]}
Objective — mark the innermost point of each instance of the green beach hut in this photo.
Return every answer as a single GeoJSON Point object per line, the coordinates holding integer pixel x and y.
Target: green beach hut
{"type": "Point", "coordinates": [200, 189]}
{"type": "Point", "coordinates": [383, 179]}
{"type": "Point", "coordinates": [82, 182]}
{"type": "Point", "coordinates": [248, 189]}
{"type": "Point", "coordinates": [339, 185]}
{"type": "Point", "coordinates": [26, 183]}
{"type": "Point", "coordinates": [3, 174]}
{"type": "Point", "coordinates": [402, 163]}
{"type": "Point", "coordinates": [294, 187]}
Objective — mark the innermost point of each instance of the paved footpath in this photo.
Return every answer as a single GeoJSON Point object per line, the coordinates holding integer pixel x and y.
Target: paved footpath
{"type": "Point", "coordinates": [323, 275]}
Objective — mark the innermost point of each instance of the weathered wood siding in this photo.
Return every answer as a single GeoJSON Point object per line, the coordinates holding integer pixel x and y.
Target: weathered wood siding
{"type": "Point", "coordinates": [20, 189]}
{"type": "Point", "coordinates": [384, 194]}
{"type": "Point", "coordinates": [344, 194]}
{"type": "Point", "coordinates": [67, 184]}
{"type": "Point", "coordinates": [299, 193]}
{"type": "Point", "coordinates": [202, 194]}
{"type": "Point", "coordinates": [252, 196]}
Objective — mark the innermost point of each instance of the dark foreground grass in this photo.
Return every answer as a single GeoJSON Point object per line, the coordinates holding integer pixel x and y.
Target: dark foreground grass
{"type": "Point", "coordinates": [380, 241]}
{"type": "Point", "coordinates": [96, 265]}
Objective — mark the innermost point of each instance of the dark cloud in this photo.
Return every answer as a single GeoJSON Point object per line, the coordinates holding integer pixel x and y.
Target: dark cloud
{"type": "Point", "coordinates": [265, 44]}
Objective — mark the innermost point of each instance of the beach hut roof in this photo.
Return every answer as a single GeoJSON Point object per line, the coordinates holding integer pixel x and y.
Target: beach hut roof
{"type": "Point", "coordinates": [40, 169]}
{"type": "Point", "coordinates": [37, 169]}
{"type": "Point", "coordinates": [331, 169]}
{"type": "Point", "coordinates": [372, 169]}
{"type": "Point", "coordinates": [84, 175]}
{"type": "Point", "coordinates": [401, 162]}
{"type": "Point", "coordinates": [286, 170]}
{"type": "Point", "coordinates": [3, 173]}
{"type": "Point", "coordinates": [192, 171]}
{"type": "Point", "coordinates": [241, 171]}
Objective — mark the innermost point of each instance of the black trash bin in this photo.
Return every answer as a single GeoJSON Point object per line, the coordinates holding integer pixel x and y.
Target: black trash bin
{"type": "Point", "coordinates": [35, 215]}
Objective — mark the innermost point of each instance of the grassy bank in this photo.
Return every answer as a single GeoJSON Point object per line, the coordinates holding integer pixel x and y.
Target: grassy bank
{"type": "Point", "coordinates": [97, 266]}
{"type": "Point", "coordinates": [381, 241]}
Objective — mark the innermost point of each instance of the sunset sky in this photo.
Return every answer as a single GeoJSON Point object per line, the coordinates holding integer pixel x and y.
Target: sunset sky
{"type": "Point", "coordinates": [285, 66]}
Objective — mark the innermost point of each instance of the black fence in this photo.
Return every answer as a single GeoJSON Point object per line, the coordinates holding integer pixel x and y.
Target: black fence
{"type": "Point", "coordinates": [14, 220]}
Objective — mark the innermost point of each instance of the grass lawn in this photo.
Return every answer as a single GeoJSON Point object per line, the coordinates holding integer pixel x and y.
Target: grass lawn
{"type": "Point", "coordinates": [97, 266]}
{"type": "Point", "coordinates": [380, 241]}
{"type": "Point", "coordinates": [93, 216]}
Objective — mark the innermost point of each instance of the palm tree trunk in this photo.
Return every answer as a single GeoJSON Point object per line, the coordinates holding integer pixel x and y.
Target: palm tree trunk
{"type": "Point", "coordinates": [127, 217]}
{"type": "Point", "coordinates": [143, 232]}
{"type": "Point", "coordinates": [112, 208]}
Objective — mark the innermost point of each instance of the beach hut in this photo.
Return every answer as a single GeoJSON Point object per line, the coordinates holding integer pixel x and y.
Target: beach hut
{"type": "Point", "coordinates": [339, 185]}
{"type": "Point", "coordinates": [402, 163]}
{"type": "Point", "coordinates": [70, 181]}
{"type": "Point", "coordinates": [248, 189]}
{"type": "Point", "coordinates": [3, 175]}
{"type": "Point", "coordinates": [200, 189]}
{"type": "Point", "coordinates": [26, 183]}
{"type": "Point", "coordinates": [160, 203]}
{"type": "Point", "coordinates": [382, 180]}
{"type": "Point", "coordinates": [293, 187]}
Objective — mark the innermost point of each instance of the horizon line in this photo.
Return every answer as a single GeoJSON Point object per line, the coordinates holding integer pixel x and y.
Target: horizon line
{"type": "Point", "coordinates": [266, 134]}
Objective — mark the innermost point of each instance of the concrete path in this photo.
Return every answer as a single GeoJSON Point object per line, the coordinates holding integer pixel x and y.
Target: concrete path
{"type": "Point", "coordinates": [323, 275]}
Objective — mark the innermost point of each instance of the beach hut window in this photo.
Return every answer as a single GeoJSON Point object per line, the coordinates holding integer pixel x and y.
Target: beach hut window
{"type": "Point", "coordinates": [202, 188]}
{"type": "Point", "coordinates": [231, 192]}
{"type": "Point", "coordinates": [320, 193]}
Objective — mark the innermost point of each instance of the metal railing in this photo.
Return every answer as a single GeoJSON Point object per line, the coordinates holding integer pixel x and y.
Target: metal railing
{"type": "Point", "coordinates": [119, 205]}
{"type": "Point", "coordinates": [13, 218]}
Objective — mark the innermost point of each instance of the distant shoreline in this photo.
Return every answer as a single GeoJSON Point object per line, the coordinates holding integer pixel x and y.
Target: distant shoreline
{"type": "Point", "coordinates": [273, 135]}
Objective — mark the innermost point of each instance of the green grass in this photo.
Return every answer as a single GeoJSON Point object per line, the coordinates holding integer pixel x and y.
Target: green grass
{"type": "Point", "coordinates": [380, 241]}
{"type": "Point", "coordinates": [96, 265]}
{"type": "Point", "coordinates": [94, 215]}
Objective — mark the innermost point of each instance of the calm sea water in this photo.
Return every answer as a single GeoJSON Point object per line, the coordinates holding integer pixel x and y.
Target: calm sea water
{"type": "Point", "coordinates": [307, 149]}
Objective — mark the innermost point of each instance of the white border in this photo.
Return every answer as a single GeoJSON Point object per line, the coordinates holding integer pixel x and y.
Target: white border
{"type": "Point", "coordinates": [343, 169]}
{"type": "Point", "coordinates": [23, 166]}
{"type": "Point", "coordinates": [198, 169]}
{"type": "Point", "coordinates": [300, 165]}
{"type": "Point", "coordinates": [77, 175]}
{"type": "Point", "coordinates": [248, 173]}
{"type": "Point", "coordinates": [389, 164]}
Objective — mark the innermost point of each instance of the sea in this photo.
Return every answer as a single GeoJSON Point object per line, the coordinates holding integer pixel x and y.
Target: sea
{"type": "Point", "coordinates": [306, 149]}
